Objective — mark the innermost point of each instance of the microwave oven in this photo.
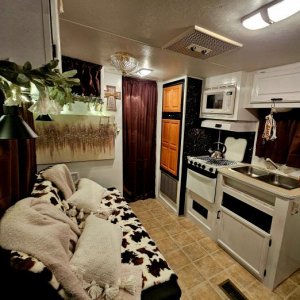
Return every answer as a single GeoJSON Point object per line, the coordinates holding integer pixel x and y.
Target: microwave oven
{"type": "Point", "coordinates": [219, 100]}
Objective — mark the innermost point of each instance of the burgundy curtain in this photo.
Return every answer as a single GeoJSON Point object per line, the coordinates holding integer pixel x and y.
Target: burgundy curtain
{"type": "Point", "coordinates": [286, 148]}
{"type": "Point", "coordinates": [139, 138]}
{"type": "Point", "coordinates": [88, 73]}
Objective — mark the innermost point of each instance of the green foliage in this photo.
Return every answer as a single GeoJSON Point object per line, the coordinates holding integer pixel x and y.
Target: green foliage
{"type": "Point", "coordinates": [16, 80]}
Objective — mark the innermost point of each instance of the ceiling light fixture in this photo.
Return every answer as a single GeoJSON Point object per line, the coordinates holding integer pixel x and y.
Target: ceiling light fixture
{"type": "Point", "coordinates": [124, 62]}
{"type": "Point", "coordinates": [271, 13]}
{"type": "Point", "coordinates": [143, 72]}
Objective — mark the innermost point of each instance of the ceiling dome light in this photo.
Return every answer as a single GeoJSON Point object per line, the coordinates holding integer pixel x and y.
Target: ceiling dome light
{"type": "Point", "coordinates": [124, 62]}
{"type": "Point", "coordinates": [283, 10]}
{"type": "Point", "coordinates": [144, 72]}
{"type": "Point", "coordinates": [254, 22]}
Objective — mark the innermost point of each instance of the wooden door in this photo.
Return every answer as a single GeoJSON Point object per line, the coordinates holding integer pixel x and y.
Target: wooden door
{"type": "Point", "coordinates": [172, 98]}
{"type": "Point", "coordinates": [170, 145]}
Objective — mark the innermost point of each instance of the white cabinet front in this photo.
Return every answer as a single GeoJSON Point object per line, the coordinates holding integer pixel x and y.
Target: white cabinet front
{"type": "Point", "coordinates": [247, 243]}
{"type": "Point", "coordinates": [201, 185]}
{"type": "Point", "coordinates": [280, 84]}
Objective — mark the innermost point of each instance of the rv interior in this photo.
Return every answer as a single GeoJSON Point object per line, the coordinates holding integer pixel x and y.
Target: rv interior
{"type": "Point", "coordinates": [191, 172]}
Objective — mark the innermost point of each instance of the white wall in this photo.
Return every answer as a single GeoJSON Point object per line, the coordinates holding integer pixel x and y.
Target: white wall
{"type": "Point", "coordinates": [108, 173]}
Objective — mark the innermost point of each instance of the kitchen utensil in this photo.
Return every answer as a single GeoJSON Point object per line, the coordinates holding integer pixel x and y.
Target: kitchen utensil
{"type": "Point", "coordinates": [218, 152]}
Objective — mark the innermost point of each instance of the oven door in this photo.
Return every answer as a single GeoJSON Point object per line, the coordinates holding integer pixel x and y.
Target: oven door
{"type": "Point", "coordinates": [201, 185]}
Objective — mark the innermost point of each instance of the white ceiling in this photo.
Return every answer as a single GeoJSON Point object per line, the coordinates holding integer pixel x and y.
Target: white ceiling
{"type": "Point", "coordinates": [92, 30]}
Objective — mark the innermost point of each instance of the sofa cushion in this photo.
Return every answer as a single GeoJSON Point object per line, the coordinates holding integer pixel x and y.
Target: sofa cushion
{"type": "Point", "coordinates": [97, 254]}
{"type": "Point", "coordinates": [88, 195]}
{"type": "Point", "coordinates": [60, 175]}
{"type": "Point", "coordinates": [44, 190]}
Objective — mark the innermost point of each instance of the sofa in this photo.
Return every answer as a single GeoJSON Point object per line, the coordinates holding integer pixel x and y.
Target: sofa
{"type": "Point", "coordinates": [81, 241]}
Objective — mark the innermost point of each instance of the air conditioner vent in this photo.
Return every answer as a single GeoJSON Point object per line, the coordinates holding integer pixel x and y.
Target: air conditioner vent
{"type": "Point", "coordinates": [201, 43]}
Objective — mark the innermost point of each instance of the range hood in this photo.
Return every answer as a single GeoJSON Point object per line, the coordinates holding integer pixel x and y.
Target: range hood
{"type": "Point", "coordinates": [236, 126]}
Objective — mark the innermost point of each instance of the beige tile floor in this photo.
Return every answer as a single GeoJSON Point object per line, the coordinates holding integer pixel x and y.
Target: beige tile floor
{"type": "Point", "coordinates": [199, 262]}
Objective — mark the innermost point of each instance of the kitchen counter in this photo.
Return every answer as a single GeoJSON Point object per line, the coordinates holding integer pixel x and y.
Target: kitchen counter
{"type": "Point", "coordinates": [266, 187]}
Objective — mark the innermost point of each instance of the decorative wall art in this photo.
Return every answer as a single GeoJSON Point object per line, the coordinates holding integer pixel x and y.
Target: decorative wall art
{"type": "Point", "coordinates": [75, 138]}
{"type": "Point", "coordinates": [111, 94]}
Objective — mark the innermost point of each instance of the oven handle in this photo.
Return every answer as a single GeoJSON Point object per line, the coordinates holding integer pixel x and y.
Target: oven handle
{"type": "Point", "coordinates": [204, 173]}
{"type": "Point", "coordinates": [203, 176]}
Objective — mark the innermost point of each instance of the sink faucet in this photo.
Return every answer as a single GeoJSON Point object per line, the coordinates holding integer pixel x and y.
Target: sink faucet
{"type": "Point", "coordinates": [272, 162]}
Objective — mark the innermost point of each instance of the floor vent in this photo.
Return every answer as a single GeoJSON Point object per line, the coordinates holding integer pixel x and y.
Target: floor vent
{"type": "Point", "coordinates": [168, 186]}
{"type": "Point", "coordinates": [232, 292]}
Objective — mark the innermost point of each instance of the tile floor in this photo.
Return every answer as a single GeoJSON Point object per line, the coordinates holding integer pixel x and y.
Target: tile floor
{"type": "Point", "coordinates": [199, 262]}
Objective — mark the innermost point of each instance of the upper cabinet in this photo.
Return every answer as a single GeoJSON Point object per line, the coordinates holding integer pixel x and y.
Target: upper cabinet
{"type": "Point", "coordinates": [172, 96]}
{"type": "Point", "coordinates": [30, 31]}
{"type": "Point", "coordinates": [278, 84]}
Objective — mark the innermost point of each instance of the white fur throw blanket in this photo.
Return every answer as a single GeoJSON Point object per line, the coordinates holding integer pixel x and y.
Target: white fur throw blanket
{"type": "Point", "coordinates": [40, 229]}
{"type": "Point", "coordinates": [61, 176]}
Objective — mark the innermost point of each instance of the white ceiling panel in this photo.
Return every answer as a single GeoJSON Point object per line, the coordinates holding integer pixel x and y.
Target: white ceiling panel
{"type": "Point", "coordinates": [93, 30]}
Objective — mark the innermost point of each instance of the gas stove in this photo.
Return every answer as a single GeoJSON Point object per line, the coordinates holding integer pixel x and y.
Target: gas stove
{"type": "Point", "coordinates": [207, 165]}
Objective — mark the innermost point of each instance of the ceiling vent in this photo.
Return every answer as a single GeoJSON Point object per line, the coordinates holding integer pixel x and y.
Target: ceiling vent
{"type": "Point", "coordinates": [201, 43]}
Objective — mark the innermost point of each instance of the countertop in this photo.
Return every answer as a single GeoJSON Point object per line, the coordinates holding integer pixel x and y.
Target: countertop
{"type": "Point", "coordinates": [280, 192]}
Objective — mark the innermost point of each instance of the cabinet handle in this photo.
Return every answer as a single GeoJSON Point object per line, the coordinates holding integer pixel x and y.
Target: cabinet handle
{"type": "Point", "coordinates": [218, 214]}
{"type": "Point", "coordinates": [276, 99]}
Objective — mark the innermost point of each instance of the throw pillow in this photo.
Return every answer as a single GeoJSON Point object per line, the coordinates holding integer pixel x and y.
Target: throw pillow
{"type": "Point", "coordinates": [88, 196]}
{"type": "Point", "coordinates": [97, 255]}
{"type": "Point", "coordinates": [60, 175]}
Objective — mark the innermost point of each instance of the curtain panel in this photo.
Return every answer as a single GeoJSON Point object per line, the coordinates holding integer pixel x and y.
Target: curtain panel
{"type": "Point", "coordinates": [139, 138]}
{"type": "Point", "coordinates": [88, 73]}
{"type": "Point", "coordinates": [286, 148]}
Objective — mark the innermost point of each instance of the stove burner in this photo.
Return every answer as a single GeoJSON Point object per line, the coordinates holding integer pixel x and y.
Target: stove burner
{"type": "Point", "coordinates": [214, 161]}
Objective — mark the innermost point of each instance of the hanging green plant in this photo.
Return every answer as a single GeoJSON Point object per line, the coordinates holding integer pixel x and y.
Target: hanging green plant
{"type": "Point", "coordinates": [16, 82]}
{"type": "Point", "coordinates": [96, 101]}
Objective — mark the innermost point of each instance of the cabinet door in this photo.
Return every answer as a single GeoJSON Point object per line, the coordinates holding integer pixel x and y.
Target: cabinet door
{"type": "Point", "coordinates": [245, 242]}
{"type": "Point", "coordinates": [172, 98]}
{"type": "Point", "coordinates": [281, 84]}
{"type": "Point", "coordinates": [170, 145]}
{"type": "Point", "coordinates": [30, 31]}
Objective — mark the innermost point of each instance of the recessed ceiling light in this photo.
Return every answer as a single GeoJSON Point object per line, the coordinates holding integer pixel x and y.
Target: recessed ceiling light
{"type": "Point", "coordinates": [144, 72]}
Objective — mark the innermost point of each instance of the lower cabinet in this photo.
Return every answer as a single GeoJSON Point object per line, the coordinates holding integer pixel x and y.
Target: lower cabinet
{"type": "Point", "coordinates": [170, 145]}
{"type": "Point", "coordinates": [245, 242]}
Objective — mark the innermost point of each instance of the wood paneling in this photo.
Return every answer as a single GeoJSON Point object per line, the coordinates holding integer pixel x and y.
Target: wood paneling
{"type": "Point", "coordinates": [170, 145]}
{"type": "Point", "coordinates": [172, 96]}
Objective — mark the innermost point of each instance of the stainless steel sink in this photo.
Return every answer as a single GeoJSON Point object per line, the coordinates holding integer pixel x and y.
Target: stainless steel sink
{"type": "Point", "coordinates": [251, 171]}
{"type": "Point", "coordinates": [269, 177]}
{"type": "Point", "coordinates": [281, 181]}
